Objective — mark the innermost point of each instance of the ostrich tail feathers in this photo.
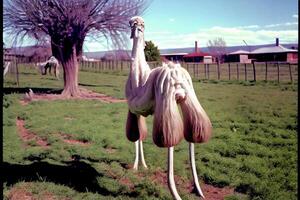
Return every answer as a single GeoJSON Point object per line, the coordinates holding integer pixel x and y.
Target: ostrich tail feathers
{"type": "Point", "coordinates": [167, 123]}
{"type": "Point", "coordinates": [197, 125]}
{"type": "Point", "coordinates": [136, 127]}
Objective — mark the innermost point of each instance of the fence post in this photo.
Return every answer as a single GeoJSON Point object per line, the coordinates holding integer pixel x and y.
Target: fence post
{"type": "Point", "coordinates": [245, 72]}
{"type": "Point", "coordinates": [207, 71]}
{"type": "Point", "coordinates": [218, 64]}
{"type": "Point", "coordinates": [237, 71]}
{"type": "Point", "coordinates": [254, 72]}
{"type": "Point", "coordinates": [205, 65]}
{"type": "Point", "coordinates": [278, 72]}
{"type": "Point", "coordinates": [194, 70]}
{"type": "Point", "coordinates": [17, 73]}
{"type": "Point", "coordinates": [290, 72]}
{"type": "Point", "coordinates": [229, 70]}
{"type": "Point", "coordinates": [266, 77]}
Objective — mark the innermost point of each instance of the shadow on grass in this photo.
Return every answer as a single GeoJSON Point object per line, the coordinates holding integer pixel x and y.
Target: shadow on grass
{"type": "Point", "coordinates": [11, 90]}
{"type": "Point", "coordinates": [92, 85]}
{"type": "Point", "coordinates": [75, 174]}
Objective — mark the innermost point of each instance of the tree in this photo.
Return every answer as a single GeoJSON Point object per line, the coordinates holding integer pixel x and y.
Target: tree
{"type": "Point", "coordinates": [151, 52]}
{"type": "Point", "coordinates": [217, 48]}
{"type": "Point", "coordinates": [66, 23]}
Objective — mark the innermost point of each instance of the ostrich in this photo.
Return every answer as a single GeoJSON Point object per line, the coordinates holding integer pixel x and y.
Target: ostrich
{"type": "Point", "coordinates": [52, 62]}
{"type": "Point", "coordinates": [159, 91]}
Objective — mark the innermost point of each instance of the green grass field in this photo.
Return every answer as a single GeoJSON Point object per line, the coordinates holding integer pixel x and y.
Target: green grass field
{"type": "Point", "coordinates": [253, 148]}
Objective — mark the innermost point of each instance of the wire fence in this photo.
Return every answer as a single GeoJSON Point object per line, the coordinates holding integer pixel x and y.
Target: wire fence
{"type": "Point", "coordinates": [256, 71]}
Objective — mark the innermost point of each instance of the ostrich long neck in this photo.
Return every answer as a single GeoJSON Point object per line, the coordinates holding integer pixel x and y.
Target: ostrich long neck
{"type": "Point", "coordinates": [139, 69]}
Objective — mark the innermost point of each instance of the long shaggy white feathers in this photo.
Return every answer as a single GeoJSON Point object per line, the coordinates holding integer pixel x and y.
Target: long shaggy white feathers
{"type": "Point", "coordinates": [167, 124]}
{"type": "Point", "coordinates": [167, 87]}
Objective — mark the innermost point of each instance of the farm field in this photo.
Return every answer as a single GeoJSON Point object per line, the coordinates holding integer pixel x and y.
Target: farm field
{"type": "Point", "coordinates": [79, 149]}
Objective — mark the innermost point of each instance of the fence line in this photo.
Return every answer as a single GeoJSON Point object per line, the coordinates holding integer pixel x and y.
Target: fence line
{"type": "Point", "coordinates": [267, 71]}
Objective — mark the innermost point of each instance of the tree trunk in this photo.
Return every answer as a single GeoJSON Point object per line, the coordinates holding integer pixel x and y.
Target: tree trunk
{"type": "Point", "coordinates": [67, 55]}
{"type": "Point", "coordinates": [70, 67]}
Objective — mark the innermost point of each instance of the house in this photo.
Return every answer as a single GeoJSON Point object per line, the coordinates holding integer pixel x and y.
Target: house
{"type": "Point", "coordinates": [187, 55]}
{"type": "Point", "coordinates": [240, 56]}
{"type": "Point", "coordinates": [173, 56]}
{"type": "Point", "coordinates": [270, 53]}
{"type": "Point", "coordinates": [276, 53]}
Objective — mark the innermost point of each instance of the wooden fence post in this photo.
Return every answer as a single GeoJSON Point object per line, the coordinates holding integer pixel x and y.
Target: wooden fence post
{"type": "Point", "coordinates": [205, 65]}
{"type": "Point", "coordinates": [278, 72]}
{"type": "Point", "coordinates": [245, 72]}
{"type": "Point", "coordinates": [237, 71]}
{"type": "Point", "coordinates": [218, 65]}
{"type": "Point", "coordinates": [207, 71]}
{"type": "Point", "coordinates": [254, 72]}
{"type": "Point", "coordinates": [266, 77]}
{"type": "Point", "coordinates": [229, 71]}
{"type": "Point", "coordinates": [194, 70]}
{"type": "Point", "coordinates": [290, 72]}
{"type": "Point", "coordinates": [17, 72]}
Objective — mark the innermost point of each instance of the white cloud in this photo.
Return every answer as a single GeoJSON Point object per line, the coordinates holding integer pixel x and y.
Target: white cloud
{"type": "Point", "coordinates": [248, 27]}
{"type": "Point", "coordinates": [171, 20]}
{"type": "Point", "coordinates": [232, 36]}
{"type": "Point", "coordinates": [279, 25]}
{"type": "Point", "coordinates": [295, 16]}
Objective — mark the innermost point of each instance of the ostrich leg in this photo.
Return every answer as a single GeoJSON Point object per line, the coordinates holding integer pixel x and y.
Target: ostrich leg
{"type": "Point", "coordinates": [136, 162]}
{"type": "Point", "coordinates": [171, 181]}
{"type": "Point", "coordinates": [193, 165]}
{"type": "Point", "coordinates": [142, 153]}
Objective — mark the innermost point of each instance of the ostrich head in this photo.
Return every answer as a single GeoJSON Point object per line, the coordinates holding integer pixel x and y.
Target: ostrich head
{"type": "Point", "coordinates": [137, 27]}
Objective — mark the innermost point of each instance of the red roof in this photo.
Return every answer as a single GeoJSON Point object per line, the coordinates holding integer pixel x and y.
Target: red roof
{"type": "Point", "coordinates": [196, 54]}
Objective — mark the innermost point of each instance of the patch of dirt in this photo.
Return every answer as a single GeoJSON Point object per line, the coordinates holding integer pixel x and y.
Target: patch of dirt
{"type": "Point", "coordinates": [19, 193]}
{"type": "Point", "coordinates": [68, 139]}
{"type": "Point", "coordinates": [210, 192]}
{"type": "Point", "coordinates": [84, 94]}
{"type": "Point", "coordinates": [22, 194]}
{"type": "Point", "coordinates": [127, 182]}
{"type": "Point", "coordinates": [27, 136]}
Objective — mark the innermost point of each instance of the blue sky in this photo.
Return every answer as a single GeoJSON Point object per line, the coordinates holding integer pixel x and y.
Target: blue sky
{"type": "Point", "coordinates": [175, 24]}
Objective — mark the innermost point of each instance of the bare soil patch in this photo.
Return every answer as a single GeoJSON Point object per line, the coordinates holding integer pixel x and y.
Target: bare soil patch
{"type": "Point", "coordinates": [27, 136]}
{"type": "Point", "coordinates": [22, 193]}
{"type": "Point", "coordinates": [19, 193]}
{"type": "Point", "coordinates": [68, 139]}
{"type": "Point", "coordinates": [84, 94]}
{"type": "Point", "coordinates": [127, 182]}
{"type": "Point", "coordinates": [210, 192]}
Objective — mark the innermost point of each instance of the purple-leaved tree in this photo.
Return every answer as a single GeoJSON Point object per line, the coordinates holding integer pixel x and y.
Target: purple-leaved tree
{"type": "Point", "coordinates": [66, 23]}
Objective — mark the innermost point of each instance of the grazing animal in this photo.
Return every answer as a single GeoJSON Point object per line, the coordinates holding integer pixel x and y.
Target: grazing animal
{"type": "Point", "coordinates": [49, 64]}
{"type": "Point", "coordinates": [158, 92]}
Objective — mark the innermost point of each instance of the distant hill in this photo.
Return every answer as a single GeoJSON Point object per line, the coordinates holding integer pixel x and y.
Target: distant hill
{"type": "Point", "coordinates": [100, 54]}
{"type": "Point", "coordinates": [31, 50]}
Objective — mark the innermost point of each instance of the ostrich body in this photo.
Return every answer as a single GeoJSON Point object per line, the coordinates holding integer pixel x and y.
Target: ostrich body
{"type": "Point", "coordinates": [158, 92]}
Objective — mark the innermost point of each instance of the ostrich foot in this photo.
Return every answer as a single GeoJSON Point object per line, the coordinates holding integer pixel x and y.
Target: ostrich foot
{"type": "Point", "coordinates": [193, 165]}
{"type": "Point", "coordinates": [171, 181]}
